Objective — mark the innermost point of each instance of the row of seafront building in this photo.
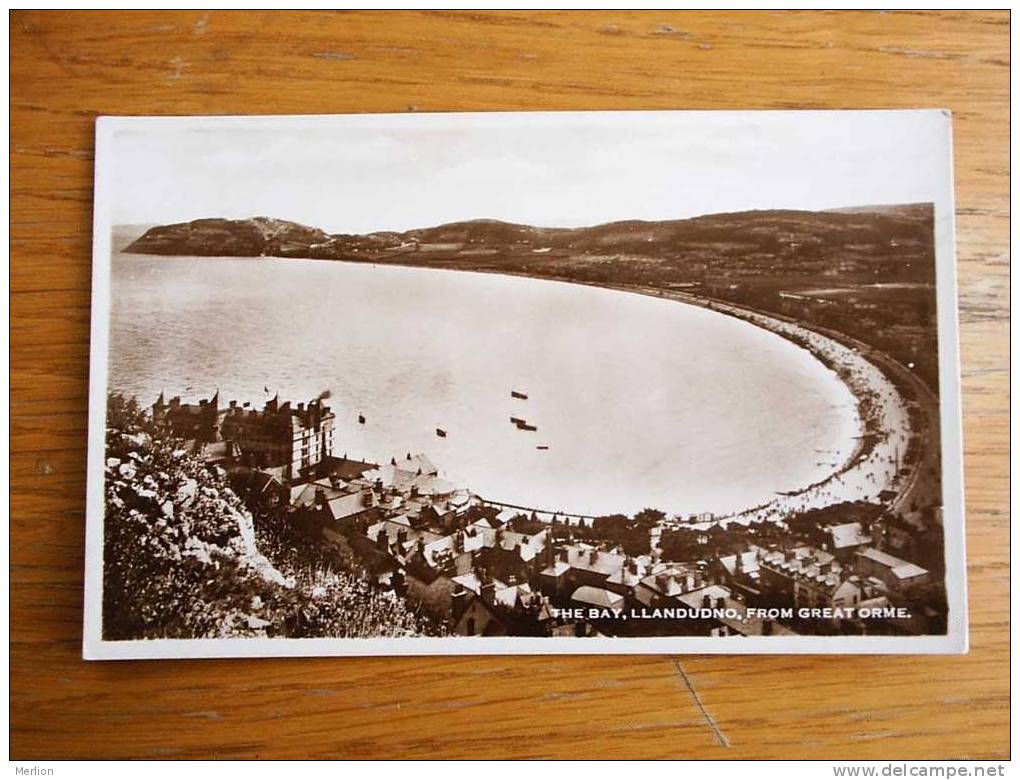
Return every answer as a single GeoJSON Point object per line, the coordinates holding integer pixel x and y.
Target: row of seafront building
{"type": "Point", "coordinates": [485, 569]}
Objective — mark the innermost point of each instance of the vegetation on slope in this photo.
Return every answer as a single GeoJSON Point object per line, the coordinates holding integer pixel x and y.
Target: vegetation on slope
{"type": "Point", "coordinates": [180, 557]}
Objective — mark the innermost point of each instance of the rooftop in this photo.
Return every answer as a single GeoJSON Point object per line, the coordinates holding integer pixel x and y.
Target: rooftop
{"type": "Point", "coordinates": [899, 567]}
{"type": "Point", "coordinates": [597, 597]}
{"type": "Point", "coordinates": [848, 535]}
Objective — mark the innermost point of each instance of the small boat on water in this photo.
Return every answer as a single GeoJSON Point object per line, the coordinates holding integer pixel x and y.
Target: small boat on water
{"type": "Point", "coordinates": [440, 433]}
{"type": "Point", "coordinates": [525, 427]}
{"type": "Point", "coordinates": [361, 419]}
{"type": "Point", "coordinates": [517, 421]}
{"type": "Point", "coordinates": [542, 447]}
{"type": "Point", "coordinates": [519, 395]}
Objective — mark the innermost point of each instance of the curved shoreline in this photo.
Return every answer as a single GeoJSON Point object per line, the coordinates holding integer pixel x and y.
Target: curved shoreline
{"type": "Point", "coordinates": [874, 464]}
{"type": "Point", "coordinates": [871, 467]}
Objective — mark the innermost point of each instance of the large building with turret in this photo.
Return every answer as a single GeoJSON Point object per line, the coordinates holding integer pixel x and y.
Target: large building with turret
{"type": "Point", "coordinates": [290, 438]}
{"type": "Point", "coordinates": [192, 422]}
{"type": "Point", "coordinates": [280, 437]}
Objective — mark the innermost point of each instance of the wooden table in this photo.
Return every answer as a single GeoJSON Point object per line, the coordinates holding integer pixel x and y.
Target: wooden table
{"type": "Point", "coordinates": [67, 68]}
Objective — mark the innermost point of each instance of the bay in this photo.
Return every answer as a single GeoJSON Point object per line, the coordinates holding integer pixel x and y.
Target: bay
{"type": "Point", "coordinates": [642, 402]}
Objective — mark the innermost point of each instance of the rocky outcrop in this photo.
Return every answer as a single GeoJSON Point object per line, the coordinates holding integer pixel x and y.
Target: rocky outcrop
{"type": "Point", "coordinates": [256, 237]}
{"type": "Point", "coordinates": [772, 233]}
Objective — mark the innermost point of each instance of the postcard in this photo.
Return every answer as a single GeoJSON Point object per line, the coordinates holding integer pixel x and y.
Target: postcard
{"type": "Point", "coordinates": [580, 382]}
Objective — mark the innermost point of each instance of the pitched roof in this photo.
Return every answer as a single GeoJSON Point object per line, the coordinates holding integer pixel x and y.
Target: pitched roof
{"type": "Point", "coordinates": [469, 581]}
{"type": "Point", "coordinates": [345, 468]}
{"type": "Point", "coordinates": [624, 576]}
{"type": "Point", "coordinates": [671, 581]}
{"type": "Point", "coordinates": [748, 562]}
{"type": "Point", "coordinates": [508, 595]}
{"type": "Point", "coordinates": [598, 597]}
{"type": "Point", "coordinates": [591, 559]}
{"type": "Point", "coordinates": [807, 562]}
{"type": "Point", "coordinates": [847, 535]}
{"type": "Point", "coordinates": [346, 505]}
{"type": "Point", "coordinates": [558, 568]}
{"type": "Point", "coordinates": [900, 568]}
{"type": "Point", "coordinates": [484, 536]}
{"type": "Point", "coordinates": [392, 529]}
{"type": "Point", "coordinates": [303, 494]}
{"type": "Point", "coordinates": [506, 515]}
{"type": "Point", "coordinates": [403, 478]}
{"type": "Point", "coordinates": [741, 623]}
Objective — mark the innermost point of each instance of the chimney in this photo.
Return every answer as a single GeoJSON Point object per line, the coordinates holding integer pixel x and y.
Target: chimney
{"type": "Point", "coordinates": [720, 603]}
{"type": "Point", "coordinates": [706, 601]}
{"type": "Point", "coordinates": [401, 536]}
{"type": "Point", "coordinates": [458, 603]}
{"type": "Point", "coordinates": [564, 555]}
{"type": "Point", "coordinates": [489, 592]}
{"type": "Point", "coordinates": [381, 542]}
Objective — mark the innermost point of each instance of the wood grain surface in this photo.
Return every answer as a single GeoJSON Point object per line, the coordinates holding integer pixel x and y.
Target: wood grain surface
{"type": "Point", "coordinates": [68, 67]}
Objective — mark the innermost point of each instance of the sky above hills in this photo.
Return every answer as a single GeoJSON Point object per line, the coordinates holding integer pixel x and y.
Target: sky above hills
{"type": "Point", "coordinates": [358, 174]}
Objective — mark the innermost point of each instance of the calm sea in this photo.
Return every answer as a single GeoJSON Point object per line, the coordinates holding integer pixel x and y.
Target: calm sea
{"type": "Point", "coordinates": [641, 402]}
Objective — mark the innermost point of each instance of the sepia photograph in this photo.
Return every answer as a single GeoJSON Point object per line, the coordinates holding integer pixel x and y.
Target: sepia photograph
{"type": "Point", "coordinates": [579, 382]}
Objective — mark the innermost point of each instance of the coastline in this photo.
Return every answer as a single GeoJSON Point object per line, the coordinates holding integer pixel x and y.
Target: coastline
{"type": "Point", "coordinates": [872, 466]}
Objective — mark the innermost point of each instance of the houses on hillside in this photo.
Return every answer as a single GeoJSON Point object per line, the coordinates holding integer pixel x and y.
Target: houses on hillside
{"type": "Point", "coordinates": [489, 570]}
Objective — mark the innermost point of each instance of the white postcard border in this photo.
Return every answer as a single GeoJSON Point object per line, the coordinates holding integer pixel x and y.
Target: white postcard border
{"type": "Point", "coordinates": [94, 647]}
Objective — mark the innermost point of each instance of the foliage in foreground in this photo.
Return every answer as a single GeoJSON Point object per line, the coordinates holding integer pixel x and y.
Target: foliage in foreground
{"type": "Point", "coordinates": [180, 558]}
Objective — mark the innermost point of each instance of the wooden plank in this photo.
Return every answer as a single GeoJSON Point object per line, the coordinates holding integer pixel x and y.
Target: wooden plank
{"type": "Point", "coordinates": [68, 67]}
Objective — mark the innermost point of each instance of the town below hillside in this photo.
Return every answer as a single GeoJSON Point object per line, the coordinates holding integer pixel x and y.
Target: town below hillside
{"type": "Point", "coordinates": [227, 520]}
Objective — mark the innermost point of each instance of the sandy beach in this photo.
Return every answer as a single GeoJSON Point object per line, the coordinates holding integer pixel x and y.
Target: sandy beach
{"type": "Point", "coordinates": [877, 463]}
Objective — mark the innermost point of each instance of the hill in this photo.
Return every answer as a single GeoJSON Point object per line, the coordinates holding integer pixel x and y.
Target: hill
{"type": "Point", "coordinates": [868, 271]}
{"type": "Point", "coordinates": [763, 241]}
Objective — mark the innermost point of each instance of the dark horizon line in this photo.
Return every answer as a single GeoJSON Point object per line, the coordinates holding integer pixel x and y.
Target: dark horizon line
{"type": "Point", "coordinates": [861, 208]}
